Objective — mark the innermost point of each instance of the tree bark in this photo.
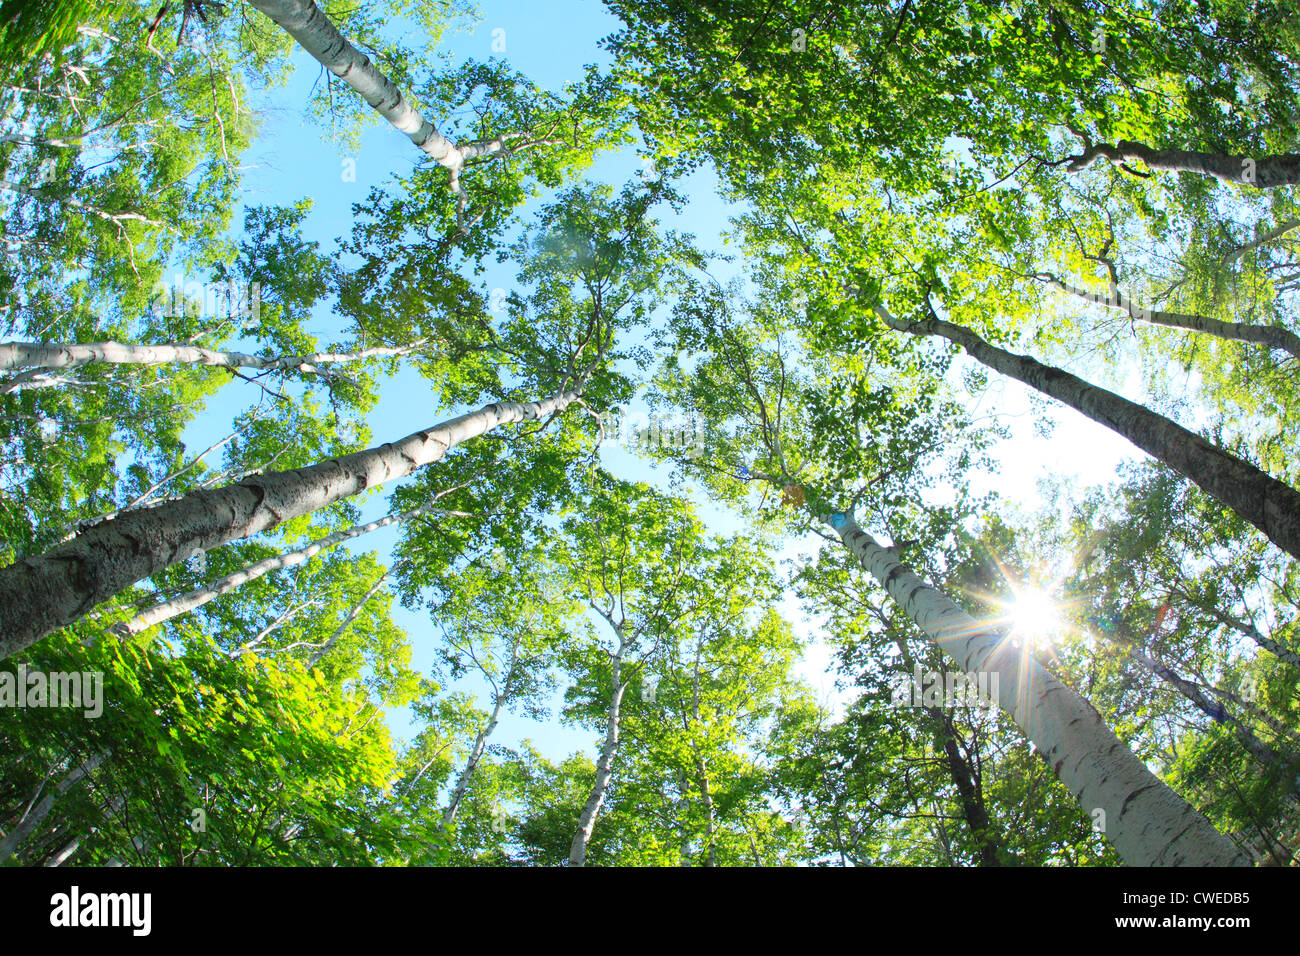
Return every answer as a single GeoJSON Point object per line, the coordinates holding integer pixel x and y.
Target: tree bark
{"type": "Point", "coordinates": [1194, 694]}
{"type": "Point", "coordinates": [1270, 336]}
{"type": "Point", "coordinates": [353, 614]}
{"type": "Point", "coordinates": [969, 791]}
{"type": "Point", "coordinates": [972, 800]}
{"type": "Point", "coordinates": [36, 816]}
{"type": "Point", "coordinates": [177, 606]}
{"type": "Point", "coordinates": [36, 355]}
{"type": "Point", "coordinates": [1275, 233]}
{"type": "Point", "coordinates": [1268, 504]}
{"type": "Point", "coordinates": [480, 743]}
{"type": "Point", "coordinates": [604, 766]}
{"type": "Point", "coordinates": [307, 24]}
{"type": "Point", "coordinates": [702, 765]}
{"type": "Point", "coordinates": [1264, 172]}
{"type": "Point", "coordinates": [1147, 822]}
{"type": "Point", "coordinates": [44, 592]}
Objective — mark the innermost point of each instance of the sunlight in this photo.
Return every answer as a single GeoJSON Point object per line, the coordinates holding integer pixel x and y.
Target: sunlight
{"type": "Point", "coordinates": [1035, 614]}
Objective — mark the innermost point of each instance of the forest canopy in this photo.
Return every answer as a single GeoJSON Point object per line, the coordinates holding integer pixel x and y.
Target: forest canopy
{"type": "Point", "coordinates": [710, 433]}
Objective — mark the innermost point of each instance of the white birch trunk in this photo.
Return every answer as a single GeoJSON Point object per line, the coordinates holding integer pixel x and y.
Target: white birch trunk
{"type": "Point", "coordinates": [339, 631]}
{"type": "Point", "coordinates": [604, 766]}
{"type": "Point", "coordinates": [1268, 504]}
{"type": "Point", "coordinates": [36, 816]}
{"type": "Point", "coordinates": [1147, 822]}
{"type": "Point", "coordinates": [117, 218]}
{"type": "Point", "coordinates": [37, 355]}
{"type": "Point", "coordinates": [1276, 233]}
{"type": "Point", "coordinates": [1261, 172]}
{"type": "Point", "coordinates": [62, 856]}
{"type": "Point", "coordinates": [1219, 713]}
{"type": "Point", "coordinates": [471, 765]}
{"type": "Point", "coordinates": [41, 593]}
{"type": "Point", "coordinates": [177, 606]}
{"type": "Point", "coordinates": [702, 766]}
{"type": "Point", "coordinates": [499, 698]}
{"type": "Point", "coordinates": [307, 24]}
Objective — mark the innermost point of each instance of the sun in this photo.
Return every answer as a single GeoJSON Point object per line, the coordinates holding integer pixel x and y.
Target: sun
{"type": "Point", "coordinates": [1035, 615]}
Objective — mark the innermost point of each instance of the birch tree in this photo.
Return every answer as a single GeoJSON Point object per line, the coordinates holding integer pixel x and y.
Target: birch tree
{"type": "Point", "coordinates": [1100, 771]}
{"type": "Point", "coordinates": [562, 355]}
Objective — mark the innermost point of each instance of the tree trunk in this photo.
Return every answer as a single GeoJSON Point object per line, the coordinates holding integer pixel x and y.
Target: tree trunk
{"type": "Point", "coordinates": [1265, 502]}
{"type": "Point", "coordinates": [467, 773]}
{"type": "Point", "coordinates": [36, 816]}
{"type": "Point", "coordinates": [36, 355]}
{"type": "Point", "coordinates": [480, 743]}
{"type": "Point", "coordinates": [339, 631]}
{"type": "Point", "coordinates": [167, 610]}
{"type": "Point", "coordinates": [1195, 694]}
{"type": "Point", "coordinates": [1264, 172]}
{"type": "Point", "coordinates": [1147, 822]}
{"type": "Point", "coordinates": [307, 24]}
{"type": "Point", "coordinates": [605, 765]}
{"type": "Point", "coordinates": [1270, 336]}
{"type": "Point", "coordinates": [42, 593]}
{"type": "Point", "coordinates": [972, 801]}
{"type": "Point", "coordinates": [702, 766]}
{"type": "Point", "coordinates": [969, 792]}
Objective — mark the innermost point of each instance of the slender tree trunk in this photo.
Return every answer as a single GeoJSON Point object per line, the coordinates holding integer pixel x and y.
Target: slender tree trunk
{"type": "Point", "coordinates": [143, 497]}
{"type": "Point", "coordinates": [177, 606]}
{"type": "Point", "coordinates": [307, 24]}
{"type": "Point", "coordinates": [471, 765]}
{"type": "Point", "coordinates": [1268, 504]}
{"type": "Point", "coordinates": [1262, 172]}
{"type": "Point", "coordinates": [1270, 336]}
{"type": "Point", "coordinates": [604, 766]}
{"type": "Point", "coordinates": [1275, 233]}
{"type": "Point", "coordinates": [1196, 695]}
{"type": "Point", "coordinates": [117, 218]}
{"type": "Point", "coordinates": [44, 592]}
{"type": "Point", "coordinates": [36, 355]}
{"type": "Point", "coordinates": [702, 765]}
{"type": "Point", "coordinates": [969, 792]}
{"type": "Point", "coordinates": [61, 857]}
{"type": "Point", "coordinates": [1147, 822]}
{"type": "Point", "coordinates": [339, 631]}
{"type": "Point", "coordinates": [1270, 644]}
{"type": "Point", "coordinates": [36, 816]}
{"type": "Point", "coordinates": [480, 743]}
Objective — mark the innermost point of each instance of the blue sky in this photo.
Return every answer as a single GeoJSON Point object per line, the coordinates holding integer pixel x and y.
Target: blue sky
{"type": "Point", "coordinates": [551, 41]}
